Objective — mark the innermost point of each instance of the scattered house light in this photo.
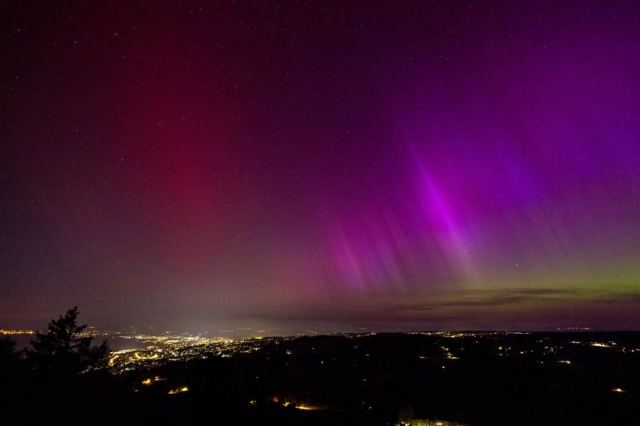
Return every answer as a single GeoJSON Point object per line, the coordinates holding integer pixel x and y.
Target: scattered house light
{"type": "Point", "coordinates": [150, 380]}
{"type": "Point", "coordinates": [178, 390]}
{"type": "Point", "coordinates": [305, 407]}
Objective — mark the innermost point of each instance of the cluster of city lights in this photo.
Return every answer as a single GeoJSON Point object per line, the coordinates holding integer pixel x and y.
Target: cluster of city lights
{"type": "Point", "coordinates": [10, 332]}
{"type": "Point", "coordinates": [162, 349]}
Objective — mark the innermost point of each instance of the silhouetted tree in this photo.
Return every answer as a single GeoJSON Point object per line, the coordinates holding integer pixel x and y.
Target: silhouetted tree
{"type": "Point", "coordinates": [405, 416]}
{"type": "Point", "coordinates": [9, 358]}
{"type": "Point", "coordinates": [65, 348]}
{"type": "Point", "coordinates": [11, 370]}
{"type": "Point", "coordinates": [7, 350]}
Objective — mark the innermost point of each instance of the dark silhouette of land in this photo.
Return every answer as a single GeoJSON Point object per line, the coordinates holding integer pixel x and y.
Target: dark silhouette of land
{"type": "Point", "coordinates": [472, 378]}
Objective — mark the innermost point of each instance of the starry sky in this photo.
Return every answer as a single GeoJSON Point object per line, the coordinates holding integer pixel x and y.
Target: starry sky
{"type": "Point", "coordinates": [322, 166]}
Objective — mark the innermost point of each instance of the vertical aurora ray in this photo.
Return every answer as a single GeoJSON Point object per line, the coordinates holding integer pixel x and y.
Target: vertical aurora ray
{"type": "Point", "coordinates": [445, 225]}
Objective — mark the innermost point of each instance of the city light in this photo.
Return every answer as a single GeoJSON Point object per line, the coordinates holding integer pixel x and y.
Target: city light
{"type": "Point", "coordinates": [158, 350]}
{"type": "Point", "coordinates": [600, 345]}
{"type": "Point", "coordinates": [151, 380]}
{"type": "Point", "coordinates": [306, 407]}
{"type": "Point", "coordinates": [5, 332]}
{"type": "Point", "coordinates": [178, 390]}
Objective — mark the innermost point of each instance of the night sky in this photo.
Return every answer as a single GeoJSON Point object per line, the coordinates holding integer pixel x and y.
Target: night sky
{"type": "Point", "coordinates": [321, 165]}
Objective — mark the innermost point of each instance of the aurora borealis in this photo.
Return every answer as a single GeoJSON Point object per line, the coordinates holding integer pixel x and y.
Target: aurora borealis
{"type": "Point", "coordinates": [326, 166]}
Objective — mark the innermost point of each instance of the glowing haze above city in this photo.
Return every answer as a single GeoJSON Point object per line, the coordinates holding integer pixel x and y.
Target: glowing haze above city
{"type": "Point", "coordinates": [200, 166]}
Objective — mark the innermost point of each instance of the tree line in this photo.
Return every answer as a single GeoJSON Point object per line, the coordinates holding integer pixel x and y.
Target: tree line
{"type": "Point", "coordinates": [63, 348]}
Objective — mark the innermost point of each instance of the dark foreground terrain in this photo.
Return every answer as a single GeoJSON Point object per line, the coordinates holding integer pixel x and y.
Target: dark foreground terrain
{"type": "Point", "coordinates": [469, 378]}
